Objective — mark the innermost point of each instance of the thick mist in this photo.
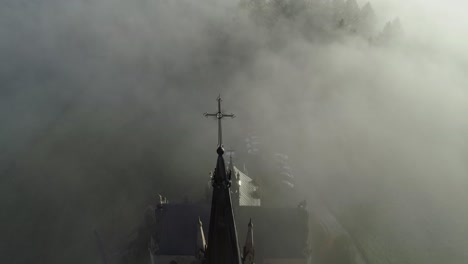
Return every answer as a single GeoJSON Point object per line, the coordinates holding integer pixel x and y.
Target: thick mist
{"type": "Point", "coordinates": [102, 101]}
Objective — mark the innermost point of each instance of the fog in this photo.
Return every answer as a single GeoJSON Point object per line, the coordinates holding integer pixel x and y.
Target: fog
{"type": "Point", "coordinates": [102, 101]}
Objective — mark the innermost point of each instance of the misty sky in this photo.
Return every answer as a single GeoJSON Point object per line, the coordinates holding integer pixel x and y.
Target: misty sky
{"type": "Point", "coordinates": [101, 108]}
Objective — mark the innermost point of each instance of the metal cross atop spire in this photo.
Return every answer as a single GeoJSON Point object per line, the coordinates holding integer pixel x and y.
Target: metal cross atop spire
{"type": "Point", "coordinates": [220, 115]}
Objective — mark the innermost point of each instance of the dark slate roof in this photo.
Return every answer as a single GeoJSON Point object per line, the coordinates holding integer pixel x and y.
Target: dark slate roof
{"type": "Point", "coordinates": [278, 232]}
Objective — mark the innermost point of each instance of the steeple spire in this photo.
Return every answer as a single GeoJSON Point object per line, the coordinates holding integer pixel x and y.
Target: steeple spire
{"type": "Point", "coordinates": [201, 242]}
{"type": "Point", "coordinates": [249, 249]}
{"type": "Point", "coordinates": [223, 245]}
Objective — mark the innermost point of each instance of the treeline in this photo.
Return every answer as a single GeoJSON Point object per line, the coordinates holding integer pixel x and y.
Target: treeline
{"type": "Point", "coordinates": [322, 19]}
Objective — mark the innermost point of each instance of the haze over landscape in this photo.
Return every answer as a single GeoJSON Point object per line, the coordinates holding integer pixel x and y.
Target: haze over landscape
{"type": "Point", "coordinates": [101, 108]}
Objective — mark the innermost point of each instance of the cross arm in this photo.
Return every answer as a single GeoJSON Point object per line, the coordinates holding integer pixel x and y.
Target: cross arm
{"type": "Point", "coordinates": [207, 115]}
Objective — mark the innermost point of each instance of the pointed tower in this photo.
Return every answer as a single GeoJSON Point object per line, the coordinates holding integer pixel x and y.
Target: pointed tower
{"type": "Point", "coordinates": [249, 249]}
{"type": "Point", "coordinates": [201, 242]}
{"type": "Point", "coordinates": [223, 246]}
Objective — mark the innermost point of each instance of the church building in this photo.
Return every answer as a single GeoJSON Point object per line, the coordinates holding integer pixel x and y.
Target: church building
{"type": "Point", "coordinates": [235, 227]}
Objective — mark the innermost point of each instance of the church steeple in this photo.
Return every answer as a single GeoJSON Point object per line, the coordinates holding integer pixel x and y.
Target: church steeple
{"type": "Point", "coordinates": [249, 249]}
{"type": "Point", "coordinates": [223, 245]}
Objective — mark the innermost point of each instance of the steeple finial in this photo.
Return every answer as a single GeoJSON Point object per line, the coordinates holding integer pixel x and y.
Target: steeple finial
{"type": "Point", "coordinates": [249, 249]}
{"type": "Point", "coordinates": [220, 115]}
